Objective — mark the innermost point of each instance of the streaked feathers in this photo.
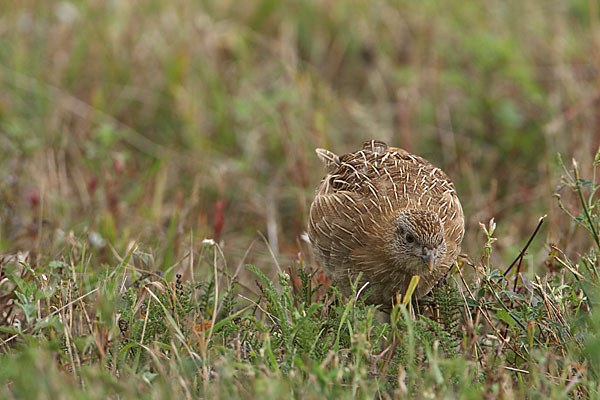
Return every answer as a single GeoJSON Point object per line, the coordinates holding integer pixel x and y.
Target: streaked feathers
{"type": "Point", "coordinates": [355, 214]}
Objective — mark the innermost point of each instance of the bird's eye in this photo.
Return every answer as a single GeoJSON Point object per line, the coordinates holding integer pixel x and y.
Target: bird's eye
{"type": "Point", "coordinates": [410, 238]}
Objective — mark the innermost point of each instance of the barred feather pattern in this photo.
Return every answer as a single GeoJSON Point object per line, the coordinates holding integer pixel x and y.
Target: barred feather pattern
{"type": "Point", "coordinates": [355, 218]}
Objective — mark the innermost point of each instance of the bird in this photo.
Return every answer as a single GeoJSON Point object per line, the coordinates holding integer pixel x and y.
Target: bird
{"type": "Point", "coordinates": [388, 215]}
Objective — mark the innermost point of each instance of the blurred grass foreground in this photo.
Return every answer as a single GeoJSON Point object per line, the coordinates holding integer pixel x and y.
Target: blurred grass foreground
{"type": "Point", "coordinates": [157, 164]}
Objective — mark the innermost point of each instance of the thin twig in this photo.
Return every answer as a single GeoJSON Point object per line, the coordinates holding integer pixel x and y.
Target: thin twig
{"type": "Point", "coordinates": [522, 253]}
{"type": "Point", "coordinates": [271, 316]}
{"type": "Point", "coordinates": [487, 318]}
{"type": "Point", "coordinates": [279, 270]}
{"type": "Point", "coordinates": [583, 204]}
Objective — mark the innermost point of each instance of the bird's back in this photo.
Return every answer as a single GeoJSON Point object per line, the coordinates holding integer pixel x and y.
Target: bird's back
{"type": "Point", "coordinates": [358, 199]}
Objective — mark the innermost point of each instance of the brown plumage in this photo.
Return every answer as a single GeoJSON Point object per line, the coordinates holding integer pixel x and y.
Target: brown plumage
{"type": "Point", "coordinates": [388, 214]}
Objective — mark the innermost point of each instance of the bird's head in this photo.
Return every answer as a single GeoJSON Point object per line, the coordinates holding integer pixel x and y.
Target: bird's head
{"type": "Point", "coordinates": [418, 242]}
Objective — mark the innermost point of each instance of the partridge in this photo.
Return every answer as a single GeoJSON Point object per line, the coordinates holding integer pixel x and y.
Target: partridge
{"type": "Point", "coordinates": [388, 214]}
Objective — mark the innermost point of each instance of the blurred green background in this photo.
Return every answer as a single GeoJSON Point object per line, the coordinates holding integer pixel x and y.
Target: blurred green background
{"type": "Point", "coordinates": [167, 122]}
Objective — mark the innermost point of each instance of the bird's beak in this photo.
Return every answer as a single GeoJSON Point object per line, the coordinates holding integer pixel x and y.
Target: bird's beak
{"type": "Point", "coordinates": [429, 258]}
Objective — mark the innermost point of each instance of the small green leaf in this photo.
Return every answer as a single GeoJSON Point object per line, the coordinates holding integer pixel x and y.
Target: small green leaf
{"type": "Point", "coordinates": [506, 317]}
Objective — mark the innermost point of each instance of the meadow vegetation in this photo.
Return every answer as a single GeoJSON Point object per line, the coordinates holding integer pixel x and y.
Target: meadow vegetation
{"type": "Point", "coordinates": [157, 165]}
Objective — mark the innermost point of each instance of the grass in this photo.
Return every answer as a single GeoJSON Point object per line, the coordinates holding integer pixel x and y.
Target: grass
{"type": "Point", "coordinates": [144, 145]}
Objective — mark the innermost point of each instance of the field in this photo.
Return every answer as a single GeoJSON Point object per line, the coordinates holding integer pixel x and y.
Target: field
{"type": "Point", "coordinates": [157, 167]}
